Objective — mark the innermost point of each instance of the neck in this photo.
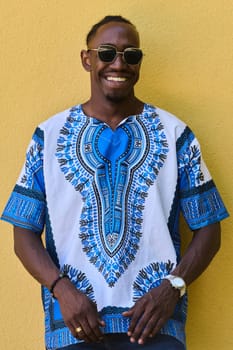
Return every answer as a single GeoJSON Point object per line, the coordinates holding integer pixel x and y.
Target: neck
{"type": "Point", "coordinates": [112, 113]}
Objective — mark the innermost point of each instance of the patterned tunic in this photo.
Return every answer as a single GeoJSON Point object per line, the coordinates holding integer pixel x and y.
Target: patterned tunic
{"type": "Point", "coordinates": [110, 203]}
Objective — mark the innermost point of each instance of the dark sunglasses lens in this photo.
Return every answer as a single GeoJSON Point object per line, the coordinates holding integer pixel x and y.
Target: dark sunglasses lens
{"type": "Point", "coordinates": [133, 56]}
{"type": "Point", "coordinates": [107, 55]}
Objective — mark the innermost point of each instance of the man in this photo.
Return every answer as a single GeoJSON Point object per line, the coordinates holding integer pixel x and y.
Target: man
{"type": "Point", "coordinates": [108, 180]}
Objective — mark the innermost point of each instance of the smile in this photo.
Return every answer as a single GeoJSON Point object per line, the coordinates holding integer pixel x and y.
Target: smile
{"type": "Point", "coordinates": [116, 78]}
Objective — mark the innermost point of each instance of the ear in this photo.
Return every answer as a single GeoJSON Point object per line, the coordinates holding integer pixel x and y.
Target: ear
{"type": "Point", "coordinates": [86, 62]}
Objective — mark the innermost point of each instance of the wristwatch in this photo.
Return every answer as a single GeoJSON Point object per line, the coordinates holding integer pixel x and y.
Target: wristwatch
{"type": "Point", "coordinates": [177, 283]}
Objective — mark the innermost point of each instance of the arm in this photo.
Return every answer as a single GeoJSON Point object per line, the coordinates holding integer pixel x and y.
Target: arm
{"type": "Point", "coordinates": [152, 311]}
{"type": "Point", "coordinates": [203, 247]}
{"type": "Point", "coordinates": [76, 308]}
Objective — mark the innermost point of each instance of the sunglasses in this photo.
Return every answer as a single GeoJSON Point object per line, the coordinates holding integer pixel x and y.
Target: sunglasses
{"type": "Point", "coordinates": [108, 53]}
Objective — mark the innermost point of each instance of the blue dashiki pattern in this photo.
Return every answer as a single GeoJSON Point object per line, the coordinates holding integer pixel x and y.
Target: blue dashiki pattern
{"type": "Point", "coordinates": [110, 203]}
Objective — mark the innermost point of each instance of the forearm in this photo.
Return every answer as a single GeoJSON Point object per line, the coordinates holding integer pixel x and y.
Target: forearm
{"type": "Point", "coordinates": [30, 250]}
{"type": "Point", "coordinates": [153, 309]}
{"type": "Point", "coordinates": [77, 309]}
{"type": "Point", "coordinates": [200, 252]}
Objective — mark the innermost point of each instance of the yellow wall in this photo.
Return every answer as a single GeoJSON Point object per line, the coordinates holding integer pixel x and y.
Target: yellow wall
{"type": "Point", "coordinates": [188, 70]}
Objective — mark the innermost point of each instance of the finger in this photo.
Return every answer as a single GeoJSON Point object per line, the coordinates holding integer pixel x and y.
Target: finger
{"type": "Point", "coordinates": [73, 329]}
{"type": "Point", "coordinates": [151, 329]}
{"type": "Point", "coordinates": [88, 333]}
{"type": "Point", "coordinates": [101, 322]}
{"type": "Point", "coordinates": [157, 328]}
{"type": "Point", "coordinates": [95, 327]}
{"type": "Point", "coordinates": [128, 313]}
{"type": "Point", "coordinates": [135, 317]}
{"type": "Point", "coordinates": [80, 333]}
{"type": "Point", "coordinates": [139, 328]}
{"type": "Point", "coordinates": [78, 330]}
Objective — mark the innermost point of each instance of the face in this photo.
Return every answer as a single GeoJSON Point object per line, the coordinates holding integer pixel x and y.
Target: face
{"type": "Point", "coordinates": [112, 81]}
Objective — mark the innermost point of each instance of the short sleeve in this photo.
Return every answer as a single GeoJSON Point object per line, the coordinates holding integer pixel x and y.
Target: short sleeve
{"type": "Point", "coordinates": [26, 205]}
{"type": "Point", "coordinates": [200, 201]}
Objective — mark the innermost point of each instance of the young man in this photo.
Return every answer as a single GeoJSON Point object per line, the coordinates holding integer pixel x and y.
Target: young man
{"type": "Point", "coordinates": [108, 179]}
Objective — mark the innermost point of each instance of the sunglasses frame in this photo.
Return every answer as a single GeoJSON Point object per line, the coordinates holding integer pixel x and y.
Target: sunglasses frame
{"type": "Point", "coordinates": [105, 47]}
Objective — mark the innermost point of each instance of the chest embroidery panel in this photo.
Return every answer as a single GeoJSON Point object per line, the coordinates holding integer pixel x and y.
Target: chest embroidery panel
{"type": "Point", "coordinates": [113, 171]}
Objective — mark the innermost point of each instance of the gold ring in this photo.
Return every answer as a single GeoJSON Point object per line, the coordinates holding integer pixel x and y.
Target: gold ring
{"type": "Point", "coordinates": [78, 329]}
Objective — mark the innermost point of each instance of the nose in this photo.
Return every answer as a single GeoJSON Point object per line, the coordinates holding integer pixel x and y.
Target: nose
{"type": "Point", "coordinates": [119, 60]}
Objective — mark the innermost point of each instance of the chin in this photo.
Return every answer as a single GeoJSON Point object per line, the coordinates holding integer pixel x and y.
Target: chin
{"type": "Point", "coordinates": [116, 98]}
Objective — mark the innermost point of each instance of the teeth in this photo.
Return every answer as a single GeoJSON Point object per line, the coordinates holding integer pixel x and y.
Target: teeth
{"type": "Point", "coordinates": [116, 78]}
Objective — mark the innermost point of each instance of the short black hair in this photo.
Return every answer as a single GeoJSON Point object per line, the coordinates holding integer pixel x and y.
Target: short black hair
{"type": "Point", "coordinates": [105, 20]}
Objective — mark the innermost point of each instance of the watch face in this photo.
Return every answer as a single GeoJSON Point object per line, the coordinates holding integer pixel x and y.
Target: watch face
{"type": "Point", "coordinates": [178, 282]}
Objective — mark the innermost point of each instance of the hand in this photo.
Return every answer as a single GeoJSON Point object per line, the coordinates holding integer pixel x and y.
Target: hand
{"type": "Point", "coordinates": [79, 311]}
{"type": "Point", "coordinates": [151, 311]}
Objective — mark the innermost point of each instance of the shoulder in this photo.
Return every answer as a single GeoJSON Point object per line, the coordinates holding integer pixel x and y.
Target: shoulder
{"type": "Point", "coordinates": [57, 120]}
{"type": "Point", "coordinates": [170, 122]}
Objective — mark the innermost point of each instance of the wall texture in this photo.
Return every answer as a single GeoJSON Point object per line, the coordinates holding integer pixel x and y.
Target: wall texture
{"type": "Point", "coordinates": [187, 70]}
